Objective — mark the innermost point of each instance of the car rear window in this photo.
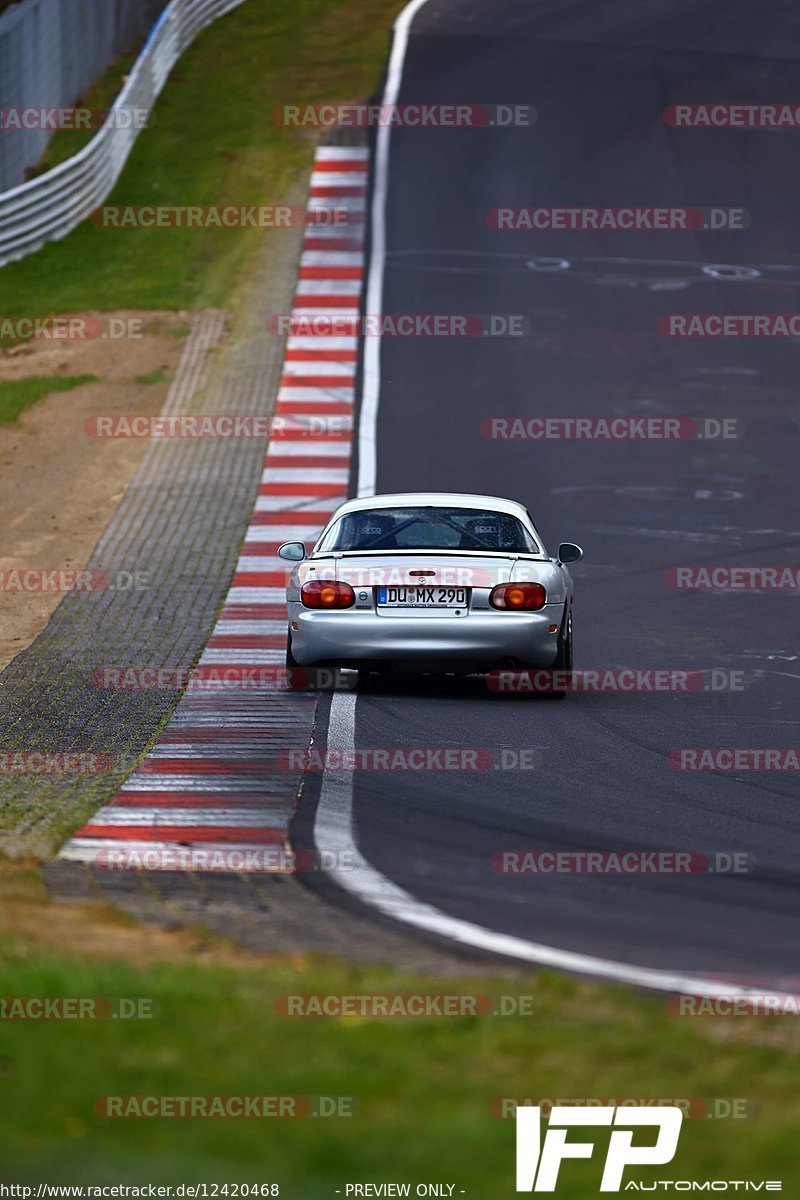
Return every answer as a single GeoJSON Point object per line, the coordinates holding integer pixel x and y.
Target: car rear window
{"type": "Point", "coordinates": [429, 528]}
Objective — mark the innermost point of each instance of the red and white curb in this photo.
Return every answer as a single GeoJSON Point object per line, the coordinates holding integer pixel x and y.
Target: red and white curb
{"type": "Point", "coordinates": [211, 795]}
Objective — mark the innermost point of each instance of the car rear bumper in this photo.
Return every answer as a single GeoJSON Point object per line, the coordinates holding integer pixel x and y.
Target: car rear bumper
{"type": "Point", "coordinates": [481, 639]}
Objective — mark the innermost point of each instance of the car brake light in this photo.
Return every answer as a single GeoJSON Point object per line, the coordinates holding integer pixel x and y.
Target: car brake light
{"type": "Point", "coordinates": [327, 593]}
{"type": "Point", "coordinates": [522, 597]}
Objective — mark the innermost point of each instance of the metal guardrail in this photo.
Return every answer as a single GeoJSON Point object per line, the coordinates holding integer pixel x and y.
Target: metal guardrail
{"type": "Point", "coordinates": [51, 53]}
{"type": "Point", "coordinates": [50, 206]}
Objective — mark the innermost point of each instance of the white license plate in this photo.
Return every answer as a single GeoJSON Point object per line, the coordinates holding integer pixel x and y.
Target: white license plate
{"type": "Point", "coordinates": [424, 596]}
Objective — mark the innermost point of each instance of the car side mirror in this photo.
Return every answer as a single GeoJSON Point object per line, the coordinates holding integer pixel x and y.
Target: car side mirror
{"type": "Point", "coordinates": [292, 551]}
{"type": "Point", "coordinates": [568, 552]}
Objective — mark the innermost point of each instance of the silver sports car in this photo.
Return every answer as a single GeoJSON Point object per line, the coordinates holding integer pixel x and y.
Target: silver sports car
{"type": "Point", "coordinates": [430, 582]}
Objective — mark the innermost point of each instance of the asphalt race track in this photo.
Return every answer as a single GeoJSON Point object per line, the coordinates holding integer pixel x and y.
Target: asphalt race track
{"type": "Point", "coordinates": [600, 76]}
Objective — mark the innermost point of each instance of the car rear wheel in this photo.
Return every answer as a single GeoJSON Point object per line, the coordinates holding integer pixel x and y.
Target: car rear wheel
{"type": "Point", "coordinates": [297, 679]}
{"type": "Point", "coordinates": [564, 654]}
{"type": "Point", "coordinates": [312, 679]}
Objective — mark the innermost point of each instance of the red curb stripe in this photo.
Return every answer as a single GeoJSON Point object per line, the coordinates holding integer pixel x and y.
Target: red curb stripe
{"type": "Point", "coordinates": [329, 272]}
{"type": "Point", "coordinates": [309, 408]}
{"type": "Point", "coordinates": [205, 766]}
{"type": "Point", "coordinates": [320, 300]}
{"type": "Point", "coordinates": [352, 242]}
{"type": "Point", "coordinates": [307, 460]}
{"type": "Point", "coordinates": [261, 579]}
{"type": "Point", "coordinates": [314, 491]}
{"type": "Point", "coordinates": [336, 165]}
{"type": "Point", "coordinates": [259, 550]}
{"type": "Point", "coordinates": [318, 517]}
{"type": "Point", "coordinates": [322, 190]}
{"type": "Point", "coordinates": [320, 356]}
{"type": "Point", "coordinates": [325, 381]}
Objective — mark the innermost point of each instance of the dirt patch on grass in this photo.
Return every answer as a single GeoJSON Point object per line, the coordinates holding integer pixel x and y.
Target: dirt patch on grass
{"type": "Point", "coordinates": [58, 486]}
{"type": "Point", "coordinates": [31, 919]}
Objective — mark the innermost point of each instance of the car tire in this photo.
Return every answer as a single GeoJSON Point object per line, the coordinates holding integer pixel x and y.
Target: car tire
{"type": "Point", "coordinates": [298, 679]}
{"type": "Point", "coordinates": [564, 653]}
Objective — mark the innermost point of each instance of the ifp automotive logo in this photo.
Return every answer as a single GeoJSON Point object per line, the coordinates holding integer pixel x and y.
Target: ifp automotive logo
{"type": "Point", "coordinates": [539, 1159]}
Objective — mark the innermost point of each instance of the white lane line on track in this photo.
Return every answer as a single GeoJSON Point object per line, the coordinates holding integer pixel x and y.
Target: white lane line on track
{"type": "Point", "coordinates": [333, 826]}
{"type": "Point", "coordinates": [373, 303]}
{"type": "Point", "coordinates": [334, 838]}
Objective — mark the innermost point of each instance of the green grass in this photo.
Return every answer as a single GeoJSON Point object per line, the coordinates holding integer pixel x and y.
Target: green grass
{"type": "Point", "coordinates": [423, 1088]}
{"type": "Point", "coordinates": [212, 140]}
{"type": "Point", "coordinates": [17, 394]}
{"type": "Point", "coordinates": [151, 377]}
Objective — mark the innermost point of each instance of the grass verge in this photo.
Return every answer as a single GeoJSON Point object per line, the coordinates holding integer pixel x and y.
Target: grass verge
{"type": "Point", "coordinates": [218, 1029]}
{"type": "Point", "coordinates": [212, 140]}
{"type": "Point", "coordinates": [17, 394]}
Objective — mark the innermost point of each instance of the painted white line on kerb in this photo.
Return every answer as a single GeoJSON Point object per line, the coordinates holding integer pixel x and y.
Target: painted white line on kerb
{"type": "Point", "coordinates": [334, 831]}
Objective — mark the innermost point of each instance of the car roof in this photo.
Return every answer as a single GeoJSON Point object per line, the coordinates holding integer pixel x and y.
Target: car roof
{"type": "Point", "coordinates": [436, 499]}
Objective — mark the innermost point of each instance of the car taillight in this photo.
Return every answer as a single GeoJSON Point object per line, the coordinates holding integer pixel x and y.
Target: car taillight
{"type": "Point", "coordinates": [327, 593]}
{"type": "Point", "coordinates": [522, 597]}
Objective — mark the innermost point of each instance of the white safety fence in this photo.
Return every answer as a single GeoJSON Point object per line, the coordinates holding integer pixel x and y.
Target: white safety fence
{"type": "Point", "coordinates": [50, 206]}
